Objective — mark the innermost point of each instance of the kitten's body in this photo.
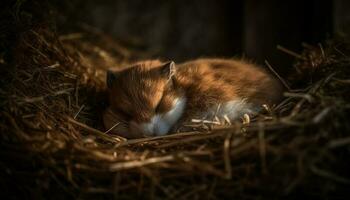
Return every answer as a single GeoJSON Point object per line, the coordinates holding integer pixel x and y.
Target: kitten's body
{"type": "Point", "coordinates": [150, 97]}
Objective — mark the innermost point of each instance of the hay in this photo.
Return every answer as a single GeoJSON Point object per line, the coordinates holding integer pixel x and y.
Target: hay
{"type": "Point", "coordinates": [54, 145]}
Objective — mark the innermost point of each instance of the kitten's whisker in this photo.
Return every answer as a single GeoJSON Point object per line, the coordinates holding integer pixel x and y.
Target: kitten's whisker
{"type": "Point", "coordinates": [115, 125]}
{"type": "Point", "coordinates": [227, 119]}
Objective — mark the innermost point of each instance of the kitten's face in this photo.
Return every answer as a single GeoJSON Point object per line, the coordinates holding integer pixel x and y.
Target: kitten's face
{"type": "Point", "coordinates": [144, 97]}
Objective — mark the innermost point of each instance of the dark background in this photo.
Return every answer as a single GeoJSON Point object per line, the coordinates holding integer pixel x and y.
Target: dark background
{"type": "Point", "coordinates": [182, 30]}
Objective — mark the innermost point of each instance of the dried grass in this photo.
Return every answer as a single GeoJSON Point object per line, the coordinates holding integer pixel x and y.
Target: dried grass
{"type": "Point", "coordinates": [54, 146]}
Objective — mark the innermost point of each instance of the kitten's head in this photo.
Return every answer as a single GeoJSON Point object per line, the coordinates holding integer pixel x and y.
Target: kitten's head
{"type": "Point", "coordinates": [145, 97]}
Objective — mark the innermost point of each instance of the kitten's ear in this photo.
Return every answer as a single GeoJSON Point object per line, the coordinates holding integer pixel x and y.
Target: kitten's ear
{"type": "Point", "coordinates": [169, 69]}
{"type": "Point", "coordinates": [110, 78]}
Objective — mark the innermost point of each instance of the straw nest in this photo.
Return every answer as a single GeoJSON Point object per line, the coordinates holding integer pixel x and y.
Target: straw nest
{"type": "Point", "coordinates": [54, 145]}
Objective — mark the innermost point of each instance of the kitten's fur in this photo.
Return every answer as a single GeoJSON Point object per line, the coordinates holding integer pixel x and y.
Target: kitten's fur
{"type": "Point", "coordinates": [151, 97]}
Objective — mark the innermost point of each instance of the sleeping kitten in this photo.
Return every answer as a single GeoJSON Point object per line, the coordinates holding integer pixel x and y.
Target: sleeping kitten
{"type": "Point", "coordinates": [149, 98]}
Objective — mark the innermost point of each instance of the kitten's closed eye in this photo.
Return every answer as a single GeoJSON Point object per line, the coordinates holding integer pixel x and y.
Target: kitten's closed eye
{"type": "Point", "coordinates": [125, 115]}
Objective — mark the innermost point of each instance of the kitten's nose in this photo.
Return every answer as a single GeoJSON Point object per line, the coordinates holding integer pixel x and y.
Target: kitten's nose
{"type": "Point", "coordinates": [136, 128]}
{"type": "Point", "coordinates": [156, 126]}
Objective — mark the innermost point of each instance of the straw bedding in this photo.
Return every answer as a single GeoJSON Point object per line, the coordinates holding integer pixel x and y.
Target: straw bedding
{"type": "Point", "coordinates": [53, 145]}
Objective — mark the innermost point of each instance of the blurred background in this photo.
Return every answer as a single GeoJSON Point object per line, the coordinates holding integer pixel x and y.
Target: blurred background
{"type": "Point", "coordinates": [182, 30]}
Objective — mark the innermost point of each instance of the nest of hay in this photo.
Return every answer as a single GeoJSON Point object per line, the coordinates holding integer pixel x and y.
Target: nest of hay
{"type": "Point", "coordinates": [54, 145]}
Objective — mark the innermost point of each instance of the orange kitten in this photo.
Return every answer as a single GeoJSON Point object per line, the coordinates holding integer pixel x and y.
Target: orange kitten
{"type": "Point", "coordinates": [149, 98]}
